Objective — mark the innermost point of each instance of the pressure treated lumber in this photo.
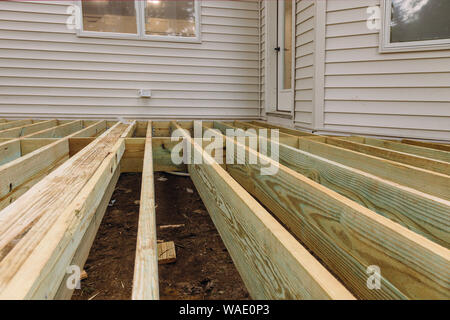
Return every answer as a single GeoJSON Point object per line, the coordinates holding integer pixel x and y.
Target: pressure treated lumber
{"type": "Point", "coordinates": [401, 157]}
{"type": "Point", "coordinates": [401, 147]}
{"type": "Point", "coordinates": [145, 279]}
{"type": "Point", "coordinates": [18, 176]}
{"type": "Point", "coordinates": [349, 238]}
{"type": "Point", "coordinates": [33, 266]}
{"type": "Point", "coordinates": [418, 211]}
{"type": "Point", "coordinates": [432, 145]}
{"type": "Point", "coordinates": [14, 124]}
{"type": "Point", "coordinates": [82, 253]}
{"type": "Point", "coordinates": [92, 130]}
{"type": "Point", "coordinates": [166, 252]}
{"type": "Point", "coordinates": [28, 129]}
{"type": "Point", "coordinates": [430, 182]}
{"type": "Point", "coordinates": [271, 262]}
{"type": "Point", "coordinates": [59, 131]}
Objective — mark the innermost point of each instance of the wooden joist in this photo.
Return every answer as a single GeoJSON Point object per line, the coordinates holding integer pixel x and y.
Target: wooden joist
{"type": "Point", "coordinates": [41, 231]}
{"type": "Point", "coordinates": [145, 280]}
{"type": "Point", "coordinates": [60, 131]}
{"type": "Point", "coordinates": [347, 237]}
{"type": "Point", "coordinates": [433, 183]}
{"type": "Point", "coordinates": [14, 124]}
{"type": "Point", "coordinates": [418, 211]}
{"type": "Point", "coordinates": [431, 145]}
{"type": "Point", "coordinates": [271, 262]}
{"type": "Point", "coordinates": [28, 129]}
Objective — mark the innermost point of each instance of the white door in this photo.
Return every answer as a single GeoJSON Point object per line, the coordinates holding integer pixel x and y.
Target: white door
{"type": "Point", "coordinates": [285, 56]}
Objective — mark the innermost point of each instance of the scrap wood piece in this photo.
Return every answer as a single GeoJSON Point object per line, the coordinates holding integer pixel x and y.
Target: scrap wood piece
{"type": "Point", "coordinates": [83, 275]}
{"type": "Point", "coordinates": [172, 226]}
{"type": "Point", "coordinates": [166, 252]}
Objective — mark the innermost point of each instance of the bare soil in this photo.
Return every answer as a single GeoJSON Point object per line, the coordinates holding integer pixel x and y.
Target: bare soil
{"type": "Point", "coordinates": [203, 270]}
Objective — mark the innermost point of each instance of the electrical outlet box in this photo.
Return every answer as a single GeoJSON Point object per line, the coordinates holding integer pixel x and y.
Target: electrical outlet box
{"type": "Point", "coordinates": [145, 93]}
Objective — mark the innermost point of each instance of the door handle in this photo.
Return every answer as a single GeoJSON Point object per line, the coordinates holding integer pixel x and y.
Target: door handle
{"type": "Point", "coordinates": [277, 49]}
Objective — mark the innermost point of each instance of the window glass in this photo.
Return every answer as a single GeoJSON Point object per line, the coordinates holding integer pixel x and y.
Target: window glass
{"type": "Point", "coordinates": [287, 44]}
{"type": "Point", "coordinates": [109, 16]}
{"type": "Point", "coordinates": [419, 20]}
{"type": "Point", "coordinates": [170, 18]}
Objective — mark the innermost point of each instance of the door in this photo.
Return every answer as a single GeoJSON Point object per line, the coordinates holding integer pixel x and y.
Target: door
{"type": "Point", "coordinates": [285, 56]}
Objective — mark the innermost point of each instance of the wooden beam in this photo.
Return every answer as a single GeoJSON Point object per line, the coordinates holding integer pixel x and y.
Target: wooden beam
{"type": "Point", "coordinates": [431, 145]}
{"type": "Point", "coordinates": [430, 182]}
{"type": "Point", "coordinates": [14, 124]}
{"type": "Point", "coordinates": [347, 237]}
{"type": "Point", "coordinates": [82, 253]}
{"type": "Point", "coordinates": [27, 129]}
{"type": "Point", "coordinates": [145, 280]}
{"type": "Point", "coordinates": [418, 211]}
{"type": "Point", "coordinates": [271, 262]}
{"type": "Point", "coordinates": [401, 157]}
{"type": "Point", "coordinates": [59, 131]}
{"type": "Point", "coordinates": [405, 148]}
{"type": "Point", "coordinates": [92, 130]}
{"type": "Point", "coordinates": [46, 238]}
{"type": "Point", "coordinates": [282, 129]}
{"type": "Point", "coordinates": [9, 151]}
{"type": "Point", "coordinates": [18, 176]}
{"type": "Point", "coordinates": [78, 144]}
{"type": "Point", "coordinates": [30, 145]}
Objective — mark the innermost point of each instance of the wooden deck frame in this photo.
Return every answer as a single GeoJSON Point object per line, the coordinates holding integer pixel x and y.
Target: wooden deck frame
{"type": "Point", "coordinates": [346, 236]}
{"type": "Point", "coordinates": [427, 181]}
{"type": "Point", "coordinates": [415, 261]}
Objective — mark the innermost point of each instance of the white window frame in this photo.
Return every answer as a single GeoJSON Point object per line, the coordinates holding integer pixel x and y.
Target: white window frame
{"type": "Point", "coordinates": [385, 36]}
{"type": "Point", "coordinates": [140, 21]}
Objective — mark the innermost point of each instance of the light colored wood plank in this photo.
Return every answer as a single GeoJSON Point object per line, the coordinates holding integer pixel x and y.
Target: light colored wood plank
{"type": "Point", "coordinates": [418, 211]}
{"type": "Point", "coordinates": [271, 262]}
{"type": "Point", "coordinates": [92, 130]}
{"type": "Point", "coordinates": [9, 151]}
{"type": "Point", "coordinates": [437, 146]}
{"type": "Point", "coordinates": [82, 253]}
{"type": "Point", "coordinates": [145, 279]}
{"type": "Point", "coordinates": [14, 124]}
{"type": "Point", "coordinates": [349, 238]}
{"type": "Point", "coordinates": [402, 157]}
{"type": "Point", "coordinates": [60, 131]}
{"type": "Point", "coordinates": [406, 148]}
{"type": "Point", "coordinates": [33, 266]}
{"type": "Point", "coordinates": [27, 129]}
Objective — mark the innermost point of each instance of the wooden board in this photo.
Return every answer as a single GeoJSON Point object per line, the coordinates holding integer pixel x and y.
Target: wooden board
{"type": "Point", "coordinates": [145, 280]}
{"type": "Point", "coordinates": [271, 262]}
{"type": "Point", "coordinates": [418, 211]}
{"type": "Point", "coordinates": [432, 145]}
{"type": "Point", "coordinates": [28, 129]}
{"type": "Point", "coordinates": [349, 238]}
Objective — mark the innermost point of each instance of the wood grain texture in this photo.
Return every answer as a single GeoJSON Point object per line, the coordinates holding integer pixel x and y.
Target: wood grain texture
{"type": "Point", "coordinates": [14, 124]}
{"type": "Point", "coordinates": [439, 155]}
{"type": "Point", "coordinates": [272, 263]}
{"type": "Point", "coordinates": [25, 260]}
{"type": "Point", "coordinates": [60, 131]}
{"type": "Point", "coordinates": [82, 253]}
{"type": "Point", "coordinates": [28, 129]}
{"type": "Point", "coordinates": [431, 145]}
{"type": "Point", "coordinates": [418, 211]}
{"type": "Point", "coordinates": [145, 279]}
{"type": "Point", "coordinates": [348, 238]}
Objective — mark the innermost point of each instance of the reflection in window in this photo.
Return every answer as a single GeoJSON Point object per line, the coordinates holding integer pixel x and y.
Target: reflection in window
{"type": "Point", "coordinates": [109, 16]}
{"type": "Point", "coordinates": [419, 20]}
{"type": "Point", "coordinates": [170, 18]}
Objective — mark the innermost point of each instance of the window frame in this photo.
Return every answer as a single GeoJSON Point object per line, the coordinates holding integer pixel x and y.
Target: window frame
{"type": "Point", "coordinates": [140, 24]}
{"type": "Point", "coordinates": [385, 36]}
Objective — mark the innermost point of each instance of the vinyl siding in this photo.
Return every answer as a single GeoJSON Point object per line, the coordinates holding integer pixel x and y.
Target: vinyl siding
{"type": "Point", "coordinates": [390, 94]}
{"type": "Point", "coordinates": [47, 71]}
{"type": "Point", "coordinates": [304, 63]}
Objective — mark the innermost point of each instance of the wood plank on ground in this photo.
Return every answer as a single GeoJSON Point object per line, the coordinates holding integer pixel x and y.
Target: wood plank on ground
{"type": "Point", "coordinates": [166, 252]}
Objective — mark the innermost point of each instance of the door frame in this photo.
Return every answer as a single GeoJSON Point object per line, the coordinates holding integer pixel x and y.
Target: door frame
{"type": "Point", "coordinates": [271, 60]}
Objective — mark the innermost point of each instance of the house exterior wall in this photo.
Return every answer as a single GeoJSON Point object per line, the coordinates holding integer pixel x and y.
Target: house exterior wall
{"type": "Point", "coordinates": [344, 85]}
{"type": "Point", "coordinates": [46, 70]}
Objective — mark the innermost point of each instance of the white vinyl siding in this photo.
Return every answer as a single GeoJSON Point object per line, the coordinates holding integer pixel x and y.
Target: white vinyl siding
{"type": "Point", "coordinates": [390, 94]}
{"type": "Point", "coordinates": [304, 63]}
{"type": "Point", "coordinates": [47, 71]}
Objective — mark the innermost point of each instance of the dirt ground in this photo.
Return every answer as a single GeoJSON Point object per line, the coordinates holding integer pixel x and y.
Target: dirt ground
{"type": "Point", "coordinates": [203, 270]}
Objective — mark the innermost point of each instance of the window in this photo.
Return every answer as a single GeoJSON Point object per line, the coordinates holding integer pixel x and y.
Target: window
{"type": "Point", "coordinates": [166, 20]}
{"type": "Point", "coordinates": [412, 25]}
